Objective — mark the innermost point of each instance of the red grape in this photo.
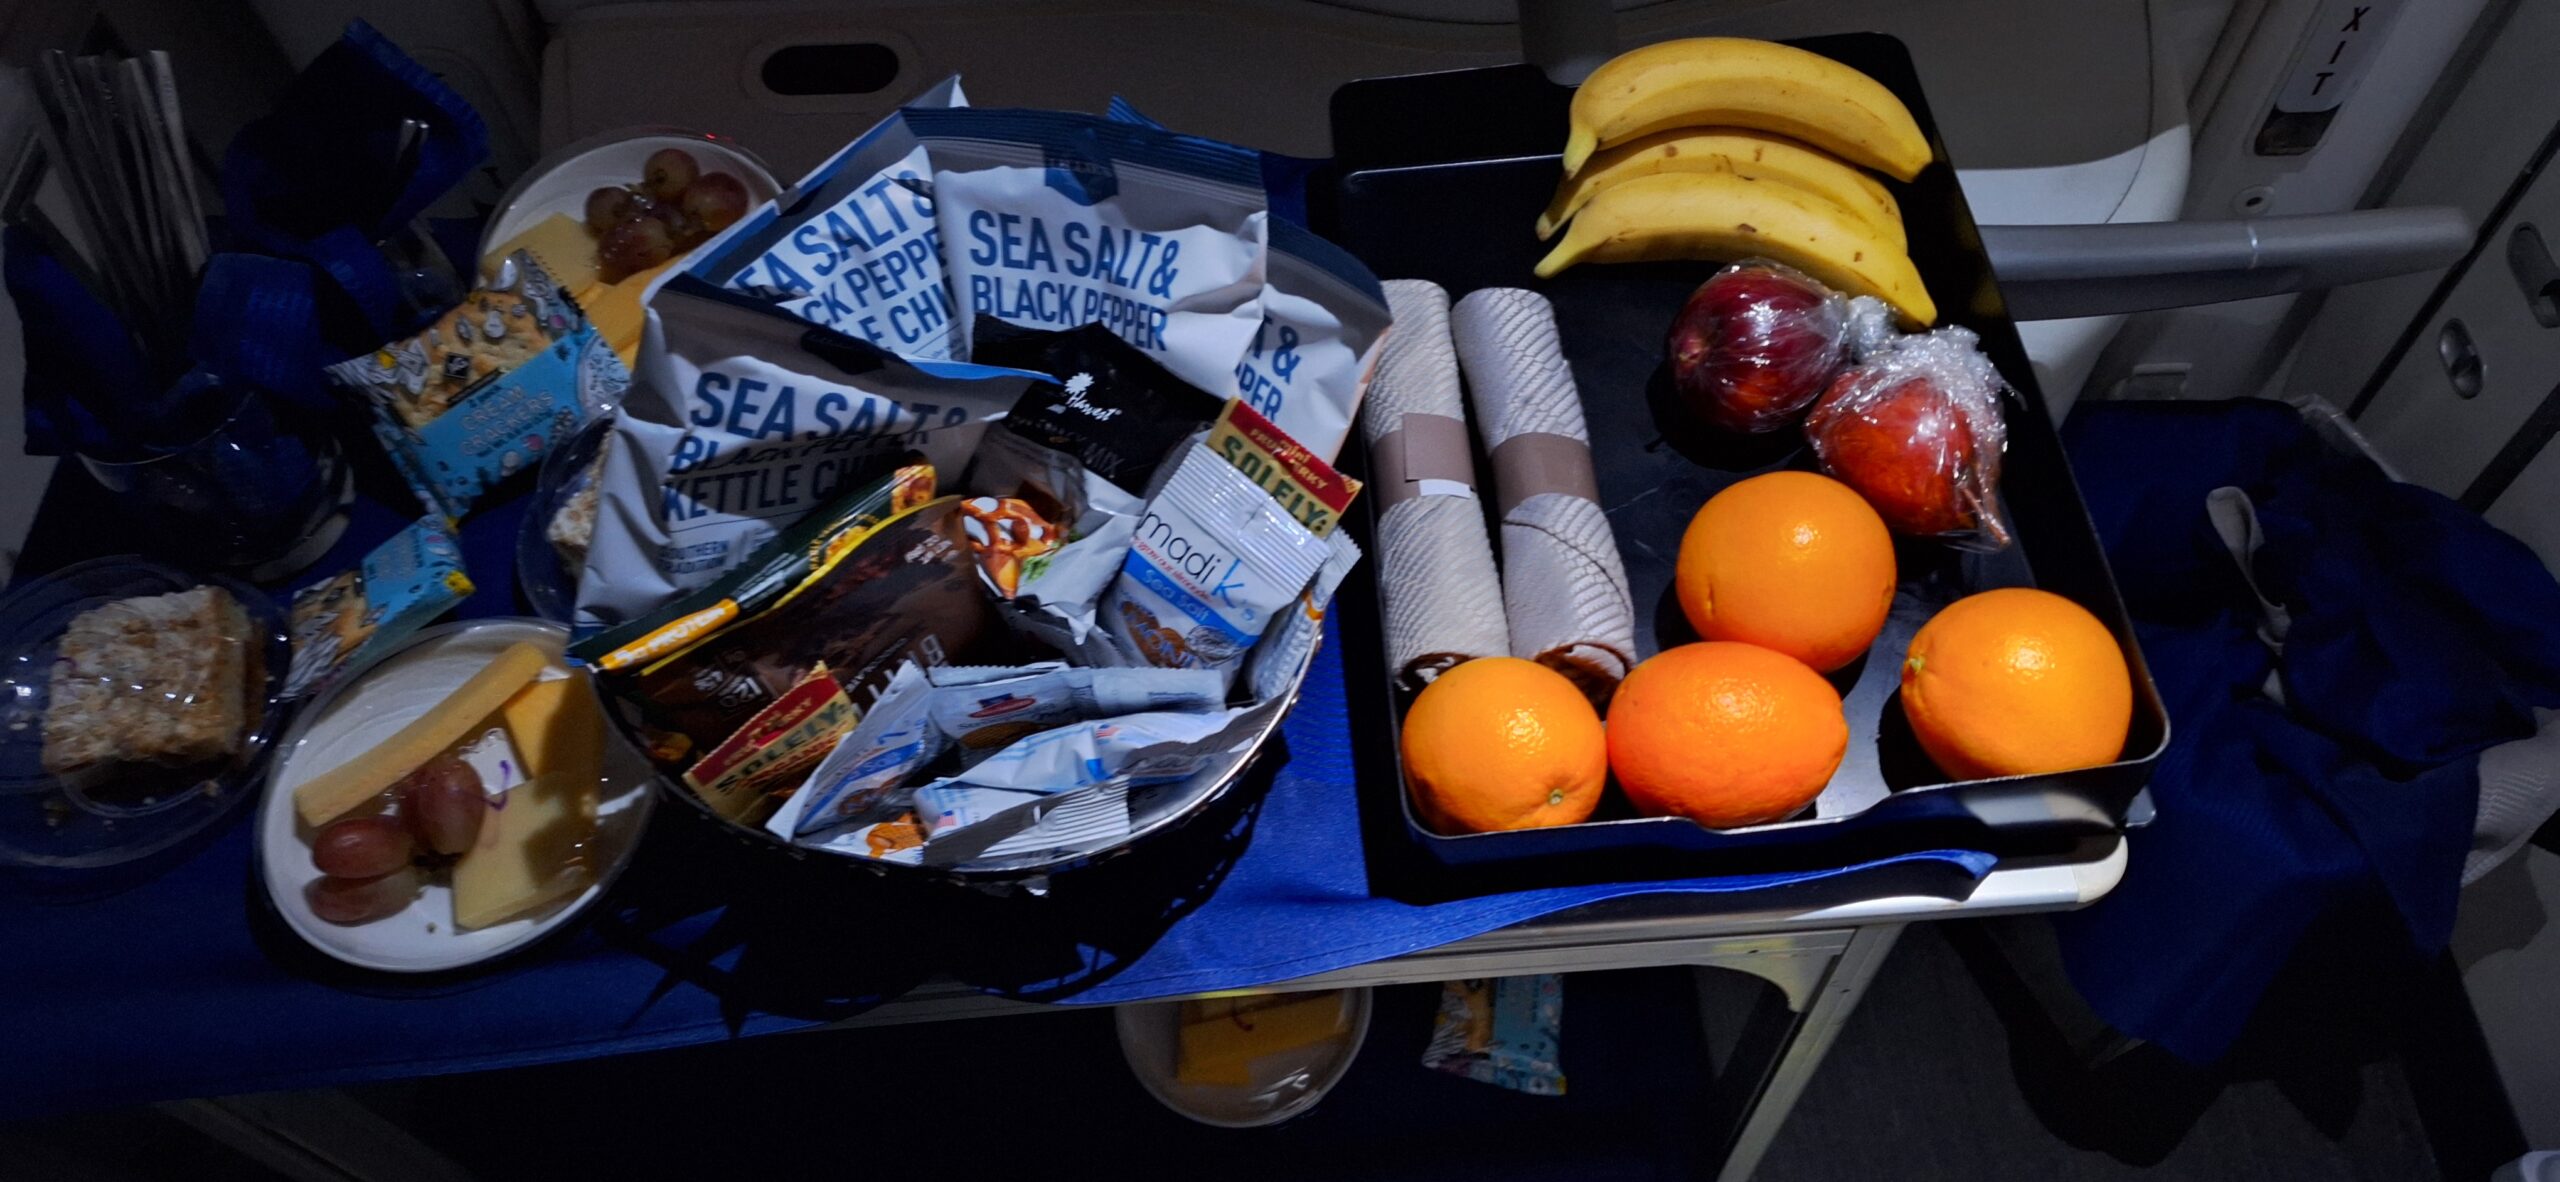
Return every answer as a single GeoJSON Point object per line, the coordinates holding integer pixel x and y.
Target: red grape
{"type": "Point", "coordinates": [716, 200]}
{"type": "Point", "coordinates": [363, 900]}
{"type": "Point", "coordinates": [632, 247]}
{"type": "Point", "coordinates": [361, 847]}
{"type": "Point", "coordinates": [444, 803]}
{"type": "Point", "coordinates": [668, 171]}
{"type": "Point", "coordinates": [610, 205]}
{"type": "Point", "coordinates": [683, 233]}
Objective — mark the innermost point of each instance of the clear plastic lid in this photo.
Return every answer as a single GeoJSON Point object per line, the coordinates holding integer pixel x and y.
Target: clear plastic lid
{"type": "Point", "coordinates": [137, 702]}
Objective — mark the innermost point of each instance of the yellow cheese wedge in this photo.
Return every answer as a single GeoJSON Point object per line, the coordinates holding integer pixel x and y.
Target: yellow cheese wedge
{"type": "Point", "coordinates": [326, 797]}
{"type": "Point", "coordinates": [1220, 1049]}
{"type": "Point", "coordinates": [532, 852]}
{"type": "Point", "coordinates": [560, 243]}
{"type": "Point", "coordinates": [615, 309]}
{"type": "Point", "coordinates": [558, 728]}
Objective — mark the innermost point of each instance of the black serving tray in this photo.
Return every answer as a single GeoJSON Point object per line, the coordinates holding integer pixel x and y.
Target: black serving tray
{"type": "Point", "coordinates": [1440, 177]}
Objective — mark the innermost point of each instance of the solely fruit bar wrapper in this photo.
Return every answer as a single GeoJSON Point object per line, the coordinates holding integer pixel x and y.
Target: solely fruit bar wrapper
{"type": "Point", "coordinates": [1115, 410]}
{"type": "Point", "coordinates": [1301, 482]}
{"type": "Point", "coordinates": [1211, 563]}
{"type": "Point", "coordinates": [774, 751]}
{"type": "Point", "coordinates": [403, 584]}
{"type": "Point", "coordinates": [1502, 1031]}
{"type": "Point", "coordinates": [905, 590]}
{"type": "Point", "coordinates": [800, 556]}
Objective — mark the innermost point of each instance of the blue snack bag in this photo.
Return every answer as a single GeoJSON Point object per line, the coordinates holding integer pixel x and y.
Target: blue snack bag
{"type": "Point", "coordinates": [489, 388]}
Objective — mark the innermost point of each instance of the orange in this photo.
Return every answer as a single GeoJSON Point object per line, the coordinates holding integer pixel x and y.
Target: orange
{"type": "Point", "coordinates": [1725, 734]}
{"type": "Point", "coordinates": [2016, 681]}
{"type": "Point", "coordinates": [1503, 743]}
{"type": "Point", "coordinates": [1789, 561]}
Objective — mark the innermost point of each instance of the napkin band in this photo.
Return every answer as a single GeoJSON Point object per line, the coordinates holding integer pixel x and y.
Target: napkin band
{"type": "Point", "coordinates": [1426, 455]}
{"type": "Point", "coordinates": [1534, 463]}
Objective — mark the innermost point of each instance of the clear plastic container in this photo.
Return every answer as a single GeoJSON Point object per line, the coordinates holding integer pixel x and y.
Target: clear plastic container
{"type": "Point", "coordinates": [173, 701]}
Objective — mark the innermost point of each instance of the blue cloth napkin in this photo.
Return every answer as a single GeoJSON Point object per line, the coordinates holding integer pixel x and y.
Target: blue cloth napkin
{"type": "Point", "coordinates": [2419, 636]}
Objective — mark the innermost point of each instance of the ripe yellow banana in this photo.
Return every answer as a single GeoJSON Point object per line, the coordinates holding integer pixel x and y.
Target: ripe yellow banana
{"type": "Point", "coordinates": [1721, 216]}
{"type": "Point", "coordinates": [1737, 82]}
{"type": "Point", "coordinates": [1754, 154]}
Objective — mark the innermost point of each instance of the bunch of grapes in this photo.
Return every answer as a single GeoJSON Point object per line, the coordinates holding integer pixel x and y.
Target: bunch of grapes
{"type": "Point", "coordinates": [674, 208]}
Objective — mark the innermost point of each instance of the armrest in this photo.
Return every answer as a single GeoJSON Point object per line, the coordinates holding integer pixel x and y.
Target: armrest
{"type": "Point", "coordinates": [2060, 272]}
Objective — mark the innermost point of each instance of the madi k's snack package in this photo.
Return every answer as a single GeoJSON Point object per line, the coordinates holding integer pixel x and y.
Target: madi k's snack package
{"type": "Point", "coordinates": [1055, 220]}
{"type": "Point", "coordinates": [745, 419]}
{"type": "Point", "coordinates": [1214, 560]}
{"type": "Point", "coordinates": [407, 581]}
{"type": "Point", "coordinates": [486, 390]}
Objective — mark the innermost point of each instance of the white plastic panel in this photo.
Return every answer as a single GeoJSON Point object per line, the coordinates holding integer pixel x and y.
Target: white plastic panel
{"type": "Point", "coordinates": [2530, 508]}
{"type": "Point", "coordinates": [2436, 437]}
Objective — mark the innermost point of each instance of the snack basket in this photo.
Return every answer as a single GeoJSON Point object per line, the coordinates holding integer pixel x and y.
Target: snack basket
{"type": "Point", "coordinates": [1157, 813]}
{"type": "Point", "coordinates": [1441, 177]}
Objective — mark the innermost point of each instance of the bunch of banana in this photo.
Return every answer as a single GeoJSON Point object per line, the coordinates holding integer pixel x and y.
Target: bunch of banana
{"type": "Point", "coordinates": [1726, 148]}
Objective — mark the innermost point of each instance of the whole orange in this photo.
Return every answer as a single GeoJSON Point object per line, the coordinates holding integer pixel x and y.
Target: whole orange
{"type": "Point", "coordinates": [1725, 734]}
{"type": "Point", "coordinates": [1789, 561]}
{"type": "Point", "coordinates": [2016, 681]}
{"type": "Point", "coordinates": [1503, 743]}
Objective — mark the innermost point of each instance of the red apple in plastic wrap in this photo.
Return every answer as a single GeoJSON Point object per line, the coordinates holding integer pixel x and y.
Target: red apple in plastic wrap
{"type": "Point", "coordinates": [1755, 345]}
{"type": "Point", "coordinates": [1905, 447]}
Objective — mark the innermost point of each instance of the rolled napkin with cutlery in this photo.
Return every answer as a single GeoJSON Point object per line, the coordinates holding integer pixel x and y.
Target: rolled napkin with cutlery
{"type": "Point", "coordinates": [1564, 588]}
{"type": "Point", "coordinates": [1438, 591]}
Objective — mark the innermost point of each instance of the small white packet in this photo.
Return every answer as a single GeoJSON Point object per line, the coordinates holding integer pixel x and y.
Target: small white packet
{"type": "Point", "coordinates": [1284, 649]}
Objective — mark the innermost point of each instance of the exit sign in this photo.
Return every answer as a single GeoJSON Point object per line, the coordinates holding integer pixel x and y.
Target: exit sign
{"type": "Point", "coordinates": [2337, 49]}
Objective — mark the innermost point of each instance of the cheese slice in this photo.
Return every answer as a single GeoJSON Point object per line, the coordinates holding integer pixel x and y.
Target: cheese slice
{"type": "Point", "coordinates": [326, 797]}
{"type": "Point", "coordinates": [532, 851]}
{"type": "Point", "coordinates": [616, 311]}
{"type": "Point", "coordinates": [560, 243]}
{"type": "Point", "coordinates": [558, 728]}
{"type": "Point", "coordinates": [1220, 1048]}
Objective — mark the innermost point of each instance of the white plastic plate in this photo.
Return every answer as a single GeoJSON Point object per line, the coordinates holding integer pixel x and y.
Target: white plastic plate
{"type": "Point", "coordinates": [1284, 1084]}
{"type": "Point", "coordinates": [368, 706]}
{"type": "Point", "coordinates": [559, 183]}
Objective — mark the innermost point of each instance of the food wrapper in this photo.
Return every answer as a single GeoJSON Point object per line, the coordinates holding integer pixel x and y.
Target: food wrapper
{"type": "Point", "coordinates": [402, 586]}
{"type": "Point", "coordinates": [963, 823]}
{"type": "Point", "coordinates": [1917, 430]}
{"type": "Point", "coordinates": [1116, 411]}
{"type": "Point", "coordinates": [977, 711]}
{"type": "Point", "coordinates": [1053, 220]}
{"type": "Point", "coordinates": [904, 590]}
{"type": "Point", "coordinates": [1284, 650]}
{"type": "Point", "coordinates": [804, 555]}
{"type": "Point", "coordinates": [1502, 1031]}
{"type": "Point", "coordinates": [488, 389]}
{"type": "Point", "coordinates": [1756, 344]}
{"type": "Point", "coordinates": [852, 247]}
{"type": "Point", "coordinates": [1212, 562]}
{"type": "Point", "coordinates": [747, 419]}
{"type": "Point", "coordinates": [1006, 534]}
{"type": "Point", "coordinates": [983, 710]}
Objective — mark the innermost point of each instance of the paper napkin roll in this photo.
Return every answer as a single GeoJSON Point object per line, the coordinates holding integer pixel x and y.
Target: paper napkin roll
{"type": "Point", "coordinates": [1564, 588]}
{"type": "Point", "coordinates": [1438, 592]}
